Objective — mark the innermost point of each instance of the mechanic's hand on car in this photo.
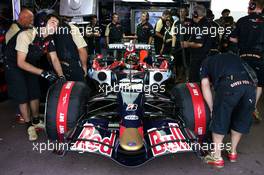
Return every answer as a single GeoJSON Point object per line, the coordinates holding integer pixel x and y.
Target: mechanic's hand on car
{"type": "Point", "coordinates": [50, 76]}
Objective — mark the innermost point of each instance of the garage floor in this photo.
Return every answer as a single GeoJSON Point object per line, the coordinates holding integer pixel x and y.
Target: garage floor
{"type": "Point", "coordinates": [18, 158]}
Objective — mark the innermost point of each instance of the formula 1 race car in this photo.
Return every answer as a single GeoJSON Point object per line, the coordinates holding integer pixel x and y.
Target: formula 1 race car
{"type": "Point", "coordinates": [133, 116]}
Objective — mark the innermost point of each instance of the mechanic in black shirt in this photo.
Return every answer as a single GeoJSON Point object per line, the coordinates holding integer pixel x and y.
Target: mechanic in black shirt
{"type": "Point", "coordinates": [93, 36]}
{"type": "Point", "coordinates": [215, 36]}
{"type": "Point", "coordinates": [23, 53]}
{"type": "Point", "coordinates": [224, 13]}
{"type": "Point", "coordinates": [160, 31]}
{"type": "Point", "coordinates": [114, 31]}
{"type": "Point", "coordinates": [145, 31]}
{"type": "Point", "coordinates": [199, 43]}
{"type": "Point", "coordinates": [249, 34]}
{"type": "Point", "coordinates": [225, 44]}
{"type": "Point", "coordinates": [69, 46]}
{"type": "Point", "coordinates": [233, 103]}
{"type": "Point", "coordinates": [181, 56]}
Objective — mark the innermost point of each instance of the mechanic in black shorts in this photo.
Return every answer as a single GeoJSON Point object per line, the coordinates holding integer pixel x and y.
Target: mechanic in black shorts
{"type": "Point", "coordinates": [145, 31]}
{"type": "Point", "coordinates": [249, 34]}
{"type": "Point", "coordinates": [23, 53]}
{"type": "Point", "coordinates": [234, 101]}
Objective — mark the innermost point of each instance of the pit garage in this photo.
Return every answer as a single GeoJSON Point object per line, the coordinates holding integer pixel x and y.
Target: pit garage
{"type": "Point", "coordinates": [130, 115]}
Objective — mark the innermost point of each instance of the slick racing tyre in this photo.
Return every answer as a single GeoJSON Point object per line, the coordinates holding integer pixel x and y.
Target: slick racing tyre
{"type": "Point", "coordinates": [66, 103]}
{"type": "Point", "coordinates": [192, 108]}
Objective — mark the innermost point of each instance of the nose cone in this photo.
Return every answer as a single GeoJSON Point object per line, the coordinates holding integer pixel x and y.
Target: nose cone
{"type": "Point", "coordinates": [131, 139]}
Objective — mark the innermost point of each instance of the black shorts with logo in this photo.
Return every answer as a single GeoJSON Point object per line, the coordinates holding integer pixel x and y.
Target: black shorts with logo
{"type": "Point", "coordinates": [233, 107]}
{"type": "Point", "coordinates": [22, 86]}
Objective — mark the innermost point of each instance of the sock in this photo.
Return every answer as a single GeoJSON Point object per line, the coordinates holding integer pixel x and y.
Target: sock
{"type": "Point", "coordinates": [35, 120]}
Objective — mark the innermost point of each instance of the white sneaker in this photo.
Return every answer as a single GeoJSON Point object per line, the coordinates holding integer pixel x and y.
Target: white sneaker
{"type": "Point", "coordinates": [32, 134]}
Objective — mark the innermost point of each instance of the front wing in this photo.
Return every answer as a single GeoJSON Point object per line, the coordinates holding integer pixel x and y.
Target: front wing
{"type": "Point", "coordinates": [161, 137]}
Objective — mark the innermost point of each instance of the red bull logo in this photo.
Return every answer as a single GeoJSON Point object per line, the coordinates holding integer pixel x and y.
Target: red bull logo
{"type": "Point", "coordinates": [96, 143]}
{"type": "Point", "coordinates": [172, 143]}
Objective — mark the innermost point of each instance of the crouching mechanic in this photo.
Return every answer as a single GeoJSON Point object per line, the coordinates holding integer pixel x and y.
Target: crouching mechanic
{"type": "Point", "coordinates": [235, 95]}
{"type": "Point", "coordinates": [23, 52]}
{"type": "Point", "coordinates": [69, 46]}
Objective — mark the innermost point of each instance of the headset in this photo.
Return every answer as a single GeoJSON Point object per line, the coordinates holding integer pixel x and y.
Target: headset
{"type": "Point", "coordinates": [252, 5]}
{"type": "Point", "coordinates": [195, 14]}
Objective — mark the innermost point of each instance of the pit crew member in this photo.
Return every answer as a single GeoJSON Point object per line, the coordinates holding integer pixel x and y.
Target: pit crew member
{"type": "Point", "coordinates": [249, 34]}
{"type": "Point", "coordinates": [69, 46]}
{"type": "Point", "coordinates": [23, 52]}
{"type": "Point", "coordinates": [199, 43]}
{"type": "Point", "coordinates": [145, 31]}
{"type": "Point", "coordinates": [160, 30]}
{"type": "Point", "coordinates": [233, 105]}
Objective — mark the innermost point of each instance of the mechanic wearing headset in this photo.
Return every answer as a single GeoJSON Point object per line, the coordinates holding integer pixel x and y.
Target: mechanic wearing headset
{"type": "Point", "coordinates": [160, 31]}
{"type": "Point", "coordinates": [199, 43]}
{"type": "Point", "coordinates": [145, 31]}
{"type": "Point", "coordinates": [23, 52]}
{"type": "Point", "coordinates": [234, 83]}
{"type": "Point", "coordinates": [69, 46]}
{"type": "Point", "coordinates": [249, 34]}
{"type": "Point", "coordinates": [25, 21]}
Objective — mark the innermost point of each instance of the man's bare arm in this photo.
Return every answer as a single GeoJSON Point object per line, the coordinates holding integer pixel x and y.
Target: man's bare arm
{"type": "Point", "coordinates": [207, 93]}
{"type": "Point", "coordinates": [56, 63]}
{"type": "Point", "coordinates": [84, 58]}
{"type": "Point", "coordinates": [23, 64]}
